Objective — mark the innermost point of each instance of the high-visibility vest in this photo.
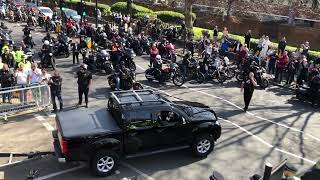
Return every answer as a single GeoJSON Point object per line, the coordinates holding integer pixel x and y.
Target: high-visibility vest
{"type": "Point", "coordinates": [4, 48]}
{"type": "Point", "coordinates": [18, 56]}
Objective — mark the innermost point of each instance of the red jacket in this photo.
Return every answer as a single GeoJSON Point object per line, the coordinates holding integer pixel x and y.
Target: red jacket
{"type": "Point", "coordinates": [282, 62]}
{"type": "Point", "coordinates": [153, 53]}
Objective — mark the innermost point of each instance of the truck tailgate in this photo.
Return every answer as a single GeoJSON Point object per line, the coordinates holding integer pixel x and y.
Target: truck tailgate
{"type": "Point", "coordinates": [84, 122]}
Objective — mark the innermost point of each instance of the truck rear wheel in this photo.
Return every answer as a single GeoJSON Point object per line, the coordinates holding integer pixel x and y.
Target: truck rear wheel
{"type": "Point", "coordinates": [103, 163]}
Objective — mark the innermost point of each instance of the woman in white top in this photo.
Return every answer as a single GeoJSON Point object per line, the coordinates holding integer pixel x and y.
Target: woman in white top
{"type": "Point", "coordinates": [265, 46]}
{"type": "Point", "coordinates": [21, 81]}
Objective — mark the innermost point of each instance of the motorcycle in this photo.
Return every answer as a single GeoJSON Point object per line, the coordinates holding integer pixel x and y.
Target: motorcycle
{"type": "Point", "coordinates": [145, 45]}
{"type": "Point", "coordinates": [303, 93]}
{"type": "Point", "coordinates": [213, 71]}
{"type": "Point", "coordinates": [48, 60]}
{"type": "Point", "coordinates": [127, 57]}
{"type": "Point", "coordinates": [259, 75]}
{"type": "Point", "coordinates": [228, 70]}
{"type": "Point", "coordinates": [170, 52]}
{"type": "Point", "coordinates": [127, 82]}
{"type": "Point", "coordinates": [171, 72]}
{"type": "Point", "coordinates": [28, 41]}
{"type": "Point", "coordinates": [99, 61]}
{"type": "Point", "coordinates": [62, 47]}
{"type": "Point", "coordinates": [41, 20]}
{"type": "Point", "coordinates": [193, 71]}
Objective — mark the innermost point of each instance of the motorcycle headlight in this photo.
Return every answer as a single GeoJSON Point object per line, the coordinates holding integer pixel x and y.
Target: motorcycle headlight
{"type": "Point", "coordinates": [198, 67]}
{"type": "Point", "coordinates": [50, 54]}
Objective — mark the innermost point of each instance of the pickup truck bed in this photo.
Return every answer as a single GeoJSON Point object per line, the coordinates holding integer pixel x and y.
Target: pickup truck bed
{"type": "Point", "coordinates": [77, 123]}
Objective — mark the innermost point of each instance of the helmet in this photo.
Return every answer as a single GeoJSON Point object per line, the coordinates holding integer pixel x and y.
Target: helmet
{"type": "Point", "coordinates": [104, 52]}
{"type": "Point", "coordinates": [158, 57]}
{"type": "Point", "coordinates": [46, 42]}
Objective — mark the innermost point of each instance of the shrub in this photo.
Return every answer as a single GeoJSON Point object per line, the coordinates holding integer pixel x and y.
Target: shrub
{"type": "Point", "coordinates": [170, 17]}
{"type": "Point", "coordinates": [105, 9]}
{"type": "Point", "coordinates": [122, 7]}
{"type": "Point", "coordinates": [142, 15]}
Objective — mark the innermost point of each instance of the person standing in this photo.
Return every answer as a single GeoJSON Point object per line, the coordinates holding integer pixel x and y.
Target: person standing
{"type": "Point", "coordinates": [305, 49]}
{"type": "Point", "coordinates": [265, 46]}
{"type": "Point", "coordinates": [282, 45]}
{"type": "Point", "coordinates": [248, 84]}
{"type": "Point", "coordinates": [21, 77]}
{"type": "Point", "coordinates": [75, 52]}
{"type": "Point", "coordinates": [281, 66]}
{"type": "Point", "coordinates": [303, 71]}
{"type": "Point", "coordinates": [84, 82]}
{"type": "Point", "coordinates": [247, 38]}
{"type": "Point", "coordinates": [34, 79]}
{"type": "Point", "coordinates": [7, 81]}
{"type": "Point", "coordinates": [55, 83]}
{"type": "Point", "coordinates": [153, 51]}
{"type": "Point", "coordinates": [292, 70]}
{"type": "Point", "coordinates": [215, 34]}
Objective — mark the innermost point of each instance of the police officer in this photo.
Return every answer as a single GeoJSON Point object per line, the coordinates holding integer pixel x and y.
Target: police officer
{"type": "Point", "coordinates": [55, 88]}
{"type": "Point", "coordinates": [84, 82]}
{"type": "Point", "coordinates": [19, 57]}
{"type": "Point", "coordinates": [248, 84]}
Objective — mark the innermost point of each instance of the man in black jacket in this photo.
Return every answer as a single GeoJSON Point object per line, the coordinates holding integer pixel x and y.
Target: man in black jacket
{"type": "Point", "coordinates": [55, 83]}
{"type": "Point", "coordinates": [84, 82]}
{"type": "Point", "coordinates": [7, 81]}
{"type": "Point", "coordinates": [313, 173]}
{"type": "Point", "coordinates": [75, 52]}
{"type": "Point", "coordinates": [247, 38]}
{"type": "Point", "coordinates": [282, 45]}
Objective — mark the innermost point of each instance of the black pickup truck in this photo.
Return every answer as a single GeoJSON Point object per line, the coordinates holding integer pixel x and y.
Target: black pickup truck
{"type": "Point", "coordinates": [136, 123]}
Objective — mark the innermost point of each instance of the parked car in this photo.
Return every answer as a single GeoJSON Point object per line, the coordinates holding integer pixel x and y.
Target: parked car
{"type": "Point", "coordinates": [70, 13]}
{"type": "Point", "coordinates": [46, 11]}
{"type": "Point", "coordinates": [31, 6]}
{"type": "Point", "coordinates": [135, 123]}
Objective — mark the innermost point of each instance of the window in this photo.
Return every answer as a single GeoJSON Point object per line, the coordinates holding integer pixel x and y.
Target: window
{"type": "Point", "coordinates": [140, 120]}
{"type": "Point", "coordinates": [168, 118]}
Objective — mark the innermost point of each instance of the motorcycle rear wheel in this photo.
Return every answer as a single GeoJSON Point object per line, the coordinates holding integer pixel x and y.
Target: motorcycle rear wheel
{"type": "Point", "coordinates": [230, 73]}
{"type": "Point", "coordinates": [200, 77]}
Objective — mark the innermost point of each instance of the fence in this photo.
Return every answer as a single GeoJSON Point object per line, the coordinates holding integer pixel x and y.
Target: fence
{"type": "Point", "coordinates": [21, 98]}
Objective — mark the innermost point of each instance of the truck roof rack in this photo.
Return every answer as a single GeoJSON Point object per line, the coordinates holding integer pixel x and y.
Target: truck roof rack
{"type": "Point", "coordinates": [136, 97]}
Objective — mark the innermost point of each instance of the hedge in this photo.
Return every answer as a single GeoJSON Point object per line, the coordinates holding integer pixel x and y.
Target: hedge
{"type": "Point", "coordinates": [122, 7]}
{"type": "Point", "coordinates": [170, 17]}
{"type": "Point", "coordinates": [106, 10]}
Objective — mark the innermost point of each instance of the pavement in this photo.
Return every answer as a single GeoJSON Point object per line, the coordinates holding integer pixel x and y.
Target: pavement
{"type": "Point", "coordinates": [276, 127]}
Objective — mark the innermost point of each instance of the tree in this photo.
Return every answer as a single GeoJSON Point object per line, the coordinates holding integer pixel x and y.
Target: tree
{"type": "Point", "coordinates": [315, 4]}
{"type": "Point", "coordinates": [188, 14]}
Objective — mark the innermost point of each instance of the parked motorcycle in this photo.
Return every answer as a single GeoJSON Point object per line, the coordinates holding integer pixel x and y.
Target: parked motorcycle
{"type": "Point", "coordinates": [99, 61]}
{"type": "Point", "coordinates": [304, 93]}
{"type": "Point", "coordinates": [171, 72]}
{"type": "Point", "coordinates": [193, 71]}
{"type": "Point", "coordinates": [213, 71]}
{"type": "Point", "coordinates": [227, 69]}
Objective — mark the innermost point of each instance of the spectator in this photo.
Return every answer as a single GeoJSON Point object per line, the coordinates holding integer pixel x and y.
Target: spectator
{"type": "Point", "coordinates": [84, 83]}
{"type": "Point", "coordinates": [75, 52]}
{"type": "Point", "coordinates": [305, 49]}
{"type": "Point", "coordinates": [242, 56]}
{"type": "Point", "coordinates": [303, 71]}
{"type": "Point", "coordinates": [55, 83]}
{"type": "Point", "coordinates": [225, 33]}
{"type": "Point", "coordinates": [191, 46]}
{"type": "Point", "coordinates": [247, 38]}
{"type": "Point", "coordinates": [34, 79]}
{"type": "Point", "coordinates": [8, 58]}
{"type": "Point", "coordinates": [153, 53]}
{"type": "Point", "coordinates": [282, 45]}
{"type": "Point", "coordinates": [313, 173]}
{"type": "Point", "coordinates": [19, 57]}
{"type": "Point", "coordinates": [21, 77]}
{"type": "Point", "coordinates": [7, 81]}
{"type": "Point", "coordinates": [281, 65]}
{"type": "Point", "coordinates": [215, 34]}
{"type": "Point", "coordinates": [292, 70]}
{"type": "Point", "coordinates": [264, 47]}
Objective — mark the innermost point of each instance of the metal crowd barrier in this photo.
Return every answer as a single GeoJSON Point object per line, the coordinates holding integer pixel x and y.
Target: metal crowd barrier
{"type": "Point", "coordinates": [22, 98]}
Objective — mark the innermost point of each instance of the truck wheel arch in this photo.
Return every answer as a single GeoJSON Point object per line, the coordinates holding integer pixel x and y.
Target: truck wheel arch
{"type": "Point", "coordinates": [110, 143]}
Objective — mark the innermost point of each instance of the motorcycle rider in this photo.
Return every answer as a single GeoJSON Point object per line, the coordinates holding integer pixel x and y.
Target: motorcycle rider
{"type": "Point", "coordinates": [116, 53]}
{"type": "Point", "coordinates": [186, 62]}
{"type": "Point", "coordinates": [26, 31]}
{"type": "Point", "coordinates": [158, 65]}
{"type": "Point", "coordinates": [121, 72]}
{"type": "Point", "coordinates": [48, 37]}
{"type": "Point", "coordinates": [46, 50]}
{"type": "Point", "coordinates": [19, 57]}
{"type": "Point", "coordinates": [154, 52]}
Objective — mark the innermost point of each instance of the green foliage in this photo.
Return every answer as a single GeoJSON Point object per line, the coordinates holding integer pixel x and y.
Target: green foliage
{"type": "Point", "coordinates": [142, 15]}
{"type": "Point", "coordinates": [103, 7]}
{"type": "Point", "coordinates": [122, 7]}
{"type": "Point", "coordinates": [170, 17]}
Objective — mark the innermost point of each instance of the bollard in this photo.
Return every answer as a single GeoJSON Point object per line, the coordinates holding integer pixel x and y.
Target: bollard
{"type": "Point", "coordinates": [267, 171]}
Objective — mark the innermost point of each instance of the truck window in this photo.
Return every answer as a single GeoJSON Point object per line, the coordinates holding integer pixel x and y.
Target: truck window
{"type": "Point", "coordinates": [168, 118]}
{"type": "Point", "coordinates": [140, 120]}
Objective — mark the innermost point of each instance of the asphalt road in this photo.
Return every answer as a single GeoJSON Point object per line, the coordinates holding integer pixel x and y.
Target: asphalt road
{"type": "Point", "coordinates": [276, 127]}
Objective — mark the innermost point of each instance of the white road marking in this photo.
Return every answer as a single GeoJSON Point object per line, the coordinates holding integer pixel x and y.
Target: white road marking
{"type": "Point", "coordinates": [42, 120]}
{"type": "Point", "coordinates": [249, 113]}
{"type": "Point", "coordinates": [268, 144]}
{"type": "Point", "coordinates": [248, 132]}
{"type": "Point", "coordinates": [137, 171]}
{"type": "Point", "coordinates": [82, 165]}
